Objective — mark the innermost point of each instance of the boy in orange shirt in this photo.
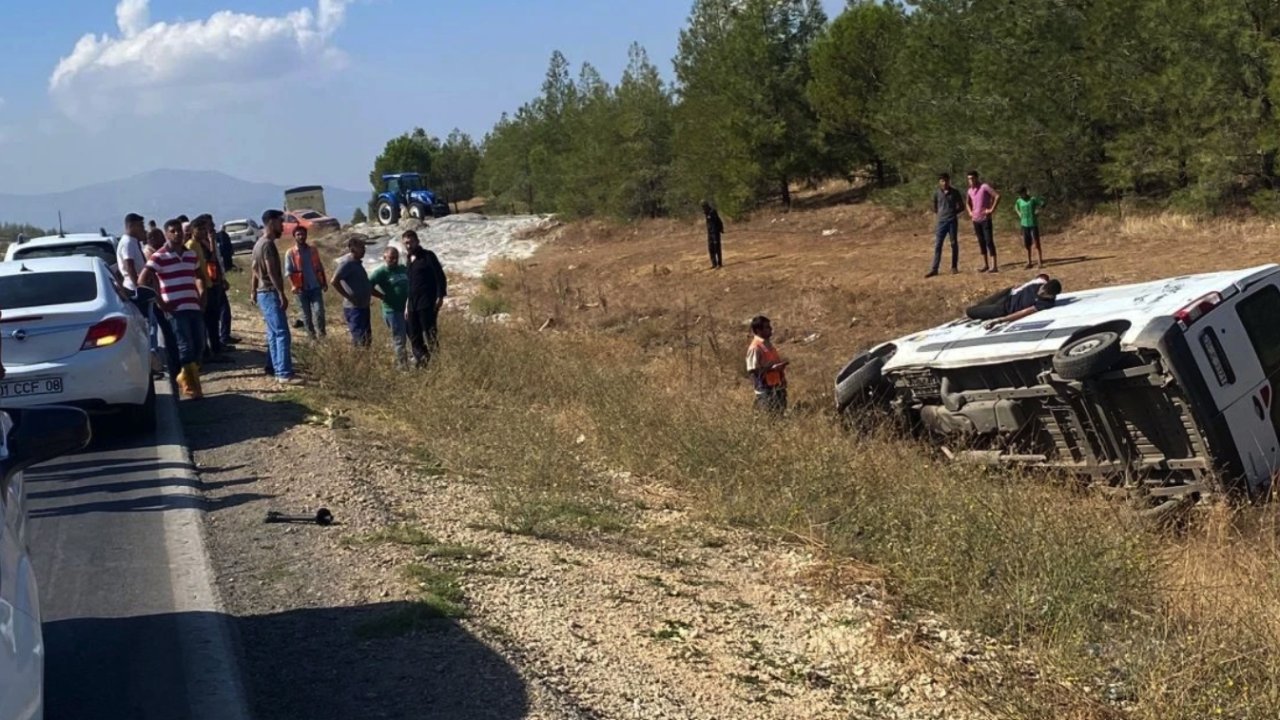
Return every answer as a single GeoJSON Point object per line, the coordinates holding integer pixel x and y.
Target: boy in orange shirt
{"type": "Point", "coordinates": [767, 368]}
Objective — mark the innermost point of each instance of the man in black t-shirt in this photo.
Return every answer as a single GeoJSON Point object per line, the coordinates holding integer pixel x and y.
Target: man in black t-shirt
{"type": "Point", "coordinates": [428, 288]}
{"type": "Point", "coordinates": [1012, 304]}
{"type": "Point", "coordinates": [715, 228]}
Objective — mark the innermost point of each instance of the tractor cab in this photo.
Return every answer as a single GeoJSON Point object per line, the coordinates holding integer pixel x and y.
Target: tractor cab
{"type": "Point", "coordinates": [405, 194]}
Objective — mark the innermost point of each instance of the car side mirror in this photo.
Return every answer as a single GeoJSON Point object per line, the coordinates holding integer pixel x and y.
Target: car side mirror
{"type": "Point", "coordinates": [42, 434]}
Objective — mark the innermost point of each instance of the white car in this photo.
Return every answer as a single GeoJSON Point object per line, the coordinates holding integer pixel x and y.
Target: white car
{"type": "Point", "coordinates": [72, 337]}
{"type": "Point", "coordinates": [95, 245]}
{"type": "Point", "coordinates": [1162, 387]}
{"type": "Point", "coordinates": [27, 438]}
{"type": "Point", "coordinates": [243, 233]}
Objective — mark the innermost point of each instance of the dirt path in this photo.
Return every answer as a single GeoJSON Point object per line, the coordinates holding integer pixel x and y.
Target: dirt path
{"type": "Point", "coordinates": [673, 619]}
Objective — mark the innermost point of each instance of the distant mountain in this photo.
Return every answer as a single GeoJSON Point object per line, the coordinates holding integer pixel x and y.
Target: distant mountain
{"type": "Point", "coordinates": [162, 194]}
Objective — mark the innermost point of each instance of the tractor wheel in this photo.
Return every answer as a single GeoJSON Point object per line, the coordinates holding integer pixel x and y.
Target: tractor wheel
{"type": "Point", "coordinates": [418, 211]}
{"type": "Point", "coordinates": [388, 213]}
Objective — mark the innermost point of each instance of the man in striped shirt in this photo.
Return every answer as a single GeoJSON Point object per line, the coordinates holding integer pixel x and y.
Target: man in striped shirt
{"type": "Point", "coordinates": [172, 271]}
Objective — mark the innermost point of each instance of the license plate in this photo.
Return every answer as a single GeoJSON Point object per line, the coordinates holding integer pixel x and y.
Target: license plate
{"type": "Point", "coordinates": [28, 388]}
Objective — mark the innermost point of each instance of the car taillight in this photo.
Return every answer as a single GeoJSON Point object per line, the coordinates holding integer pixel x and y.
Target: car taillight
{"type": "Point", "coordinates": [107, 332]}
{"type": "Point", "coordinates": [1197, 309]}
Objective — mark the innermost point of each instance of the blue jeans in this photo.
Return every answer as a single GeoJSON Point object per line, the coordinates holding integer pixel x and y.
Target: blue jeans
{"type": "Point", "coordinates": [189, 331]}
{"type": "Point", "coordinates": [360, 323]}
{"type": "Point", "coordinates": [399, 336]}
{"type": "Point", "coordinates": [312, 302]}
{"type": "Point", "coordinates": [952, 228]}
{"type": "Point", "coordinates": [279, 342]}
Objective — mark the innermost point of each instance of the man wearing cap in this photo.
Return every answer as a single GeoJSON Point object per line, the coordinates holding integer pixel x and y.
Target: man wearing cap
{"type": "Point", "coordinates": [352, 282]}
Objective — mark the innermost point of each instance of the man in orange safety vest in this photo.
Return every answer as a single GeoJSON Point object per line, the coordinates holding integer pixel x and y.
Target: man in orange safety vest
{"type": "Point", "coordinates": [306, 274]}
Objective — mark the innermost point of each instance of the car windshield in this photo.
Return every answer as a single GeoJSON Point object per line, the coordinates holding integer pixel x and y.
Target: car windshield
{"type": "Point", "coordinates": [101, 250]}
{"type": "Point", "coordinates": [235, 227]}
{"type": "Point", "coordinates": [34, 289]}
{"type": "Point", "coordinates": [311, 215]}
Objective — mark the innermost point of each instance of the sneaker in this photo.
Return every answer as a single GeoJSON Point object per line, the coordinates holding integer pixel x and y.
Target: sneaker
{"type": "Point", "coordinates": [984, 270]}
{"type": "Point", "coordinates": [955, 271]}
{"type": "Point", "coordinates": [1030, 265]}
{"type": "Point", "coordinates": [291, 380]}
{"type": "Point", "coordinates": [931, 273]}
{"type": "Point", "coordinates": [995, 269]}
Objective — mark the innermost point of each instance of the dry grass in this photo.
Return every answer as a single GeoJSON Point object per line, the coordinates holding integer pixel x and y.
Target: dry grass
{"type": "Point", "coordinates": [645, 377]}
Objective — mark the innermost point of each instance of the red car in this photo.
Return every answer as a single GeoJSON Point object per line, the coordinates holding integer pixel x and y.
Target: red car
{"type": "Point", "coordinates": [314, 222]}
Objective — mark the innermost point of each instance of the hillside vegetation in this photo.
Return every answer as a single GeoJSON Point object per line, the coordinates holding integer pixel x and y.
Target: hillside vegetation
{"type": "Point", "coordinates": [1140, 101]}
{"type": "Point", "coordinates": [636, 384]}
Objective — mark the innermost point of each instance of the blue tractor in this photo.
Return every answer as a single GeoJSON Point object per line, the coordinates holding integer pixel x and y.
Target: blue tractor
{"type": "Point", "coordinates": [404, 194]}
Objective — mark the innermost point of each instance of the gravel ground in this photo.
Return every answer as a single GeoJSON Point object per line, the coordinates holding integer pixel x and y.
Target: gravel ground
{"type": "Point", "coordinates": [673, 619]}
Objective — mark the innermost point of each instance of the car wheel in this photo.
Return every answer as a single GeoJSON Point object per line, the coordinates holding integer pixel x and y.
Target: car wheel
{"type": "Point", "coordinates": [142, 418]}
{"type": "Point", "coordinates": [388, 213]}
{"type": "Point", "coordinates": [418, 211]}
{"type": "Point", "coordinates": [1088, 356]}
{"type": "Point", "coordinates": [858, 381]}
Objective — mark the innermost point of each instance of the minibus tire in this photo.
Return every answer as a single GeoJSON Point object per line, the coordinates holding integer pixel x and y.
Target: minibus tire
{"type": "Point", "coordinates": [1088, 356]}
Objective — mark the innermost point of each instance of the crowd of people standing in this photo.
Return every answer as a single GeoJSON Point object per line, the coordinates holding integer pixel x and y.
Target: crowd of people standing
{"type": "Point", "coordinates": [980, 203]}
{"type": "Point", "coordinates": [178, 278]}
{"type": "Point", "coordinates": [177, 274]}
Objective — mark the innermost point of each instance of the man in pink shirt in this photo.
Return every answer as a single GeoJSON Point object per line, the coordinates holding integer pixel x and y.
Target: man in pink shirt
{"type": "Point", "coordinates": [981, 203]}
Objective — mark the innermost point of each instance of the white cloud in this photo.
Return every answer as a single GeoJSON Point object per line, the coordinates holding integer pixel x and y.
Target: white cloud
{"type": "Point", "coordinates": [151, 68]}
{"type": "Point", "coordinates": [133, 16]}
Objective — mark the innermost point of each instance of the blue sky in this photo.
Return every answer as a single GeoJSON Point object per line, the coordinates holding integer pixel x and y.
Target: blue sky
{"type": "Point", "coordinates": [283, 91]}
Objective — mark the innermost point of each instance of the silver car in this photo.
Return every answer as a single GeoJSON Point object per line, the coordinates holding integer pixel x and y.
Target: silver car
{"type": "Point", "coordinates": [27, 437]}
{"type": "Point", "coordinates": [243, 233]}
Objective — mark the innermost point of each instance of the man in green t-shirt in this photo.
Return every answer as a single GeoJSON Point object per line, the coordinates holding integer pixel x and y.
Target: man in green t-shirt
{"type": "Point", "coordinates": [1029, 217]}
{"type": "Point", "coordinates": [391, 286]}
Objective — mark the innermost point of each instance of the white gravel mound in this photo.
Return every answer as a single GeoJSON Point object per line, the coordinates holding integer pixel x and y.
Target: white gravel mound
{"type": "Point", "coordinates": [465, 243]}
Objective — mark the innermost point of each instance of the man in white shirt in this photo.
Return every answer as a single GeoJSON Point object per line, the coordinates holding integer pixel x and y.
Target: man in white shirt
{"type": "Point", "coordinates": [131, 261]}
{"type": "Point", "coordinates": [129, 251]}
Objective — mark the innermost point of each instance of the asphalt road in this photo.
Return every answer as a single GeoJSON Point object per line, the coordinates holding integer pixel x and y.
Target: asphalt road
{"type": "Point", "coordinates": [131, 620]}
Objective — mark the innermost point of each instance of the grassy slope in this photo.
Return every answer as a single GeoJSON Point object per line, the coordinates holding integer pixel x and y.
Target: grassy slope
{"type": "Point", "coordinates": [644, 377]}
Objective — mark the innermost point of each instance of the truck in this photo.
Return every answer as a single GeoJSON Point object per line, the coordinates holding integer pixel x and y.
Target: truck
{"type": "Point", "coordinates": [1166, 390]}
{"type": "Point", "coordinates": [305, 197]}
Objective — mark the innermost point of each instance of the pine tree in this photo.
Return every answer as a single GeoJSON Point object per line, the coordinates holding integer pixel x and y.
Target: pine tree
{"type": "Point", "coordinates": [743, 127]}
{"type": "Point", "coordinates": [644, 150]}
{"type": "Point", "coordinates": [408, 153]}
{"type": "Point", "coordinates": [849, 69]}
{"type": "Point", "coordinates": [455, 166]}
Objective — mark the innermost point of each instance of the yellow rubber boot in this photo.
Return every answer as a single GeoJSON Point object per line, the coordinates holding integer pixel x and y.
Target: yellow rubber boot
{"type": "Point", "coordinates": [193, 381]}
{"type": "Point", "coordinates": [184, 381]}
